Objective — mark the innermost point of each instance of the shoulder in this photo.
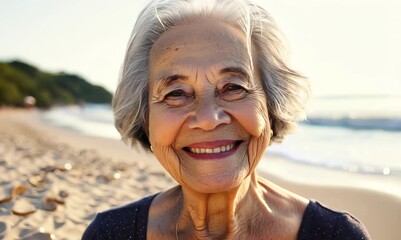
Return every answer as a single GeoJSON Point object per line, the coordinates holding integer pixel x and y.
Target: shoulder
{"type": "Point", "coordinates": [122, 222]}
{"type": "Point", "coordinates": [320, 222]}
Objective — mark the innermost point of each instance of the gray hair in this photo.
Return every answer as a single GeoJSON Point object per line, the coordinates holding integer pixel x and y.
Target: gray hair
{"type": "Point", "coordinates": [287, 91]}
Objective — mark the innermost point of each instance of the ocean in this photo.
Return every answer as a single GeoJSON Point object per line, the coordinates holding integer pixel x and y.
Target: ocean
{"type": "Point", "coordinates": [359, 134]}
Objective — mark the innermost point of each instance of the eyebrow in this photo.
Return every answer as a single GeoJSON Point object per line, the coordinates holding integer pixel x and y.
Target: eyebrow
{"type": "Point", "coordinates": [237, 70]}
{"type": "Point", "coordinates": [167, 80]}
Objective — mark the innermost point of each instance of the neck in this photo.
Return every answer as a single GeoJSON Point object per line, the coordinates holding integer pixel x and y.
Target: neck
{"type": "Point", "coordinates": [226, 214]}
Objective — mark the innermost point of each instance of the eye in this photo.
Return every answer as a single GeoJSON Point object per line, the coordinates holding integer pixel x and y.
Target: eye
{"type": "Point", "coordinates": [232, 92]}
{"type": "Point", "coordinates": [174, 94]}
{"type": "Point", "coordinates": [177, 98]}
{"type": "Point", "coordinates": [234, 87]}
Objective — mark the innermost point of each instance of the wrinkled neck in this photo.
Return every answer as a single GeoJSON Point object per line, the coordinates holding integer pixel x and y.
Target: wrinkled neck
{"type": "Point", "coordinates": [221, 215]}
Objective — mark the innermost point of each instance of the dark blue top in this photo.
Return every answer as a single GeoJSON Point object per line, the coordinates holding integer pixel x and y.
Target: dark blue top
{"type": "Point", "coordinates": [130, 222]}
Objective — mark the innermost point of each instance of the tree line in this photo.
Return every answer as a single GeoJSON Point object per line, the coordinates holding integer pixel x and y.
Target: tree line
{"type": "Point", "coordinates": [19, 79]}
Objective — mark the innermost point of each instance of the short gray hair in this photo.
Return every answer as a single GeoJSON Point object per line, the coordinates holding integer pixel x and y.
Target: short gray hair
{"type": "Point", "coordinates": [286, 90]}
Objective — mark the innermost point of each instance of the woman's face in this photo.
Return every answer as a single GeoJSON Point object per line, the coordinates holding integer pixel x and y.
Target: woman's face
{"type": "Point", "coordinates": [208, 120]}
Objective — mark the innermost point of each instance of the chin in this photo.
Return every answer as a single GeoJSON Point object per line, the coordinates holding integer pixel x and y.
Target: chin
{"type": "Point", "coordinates": [216, 184]}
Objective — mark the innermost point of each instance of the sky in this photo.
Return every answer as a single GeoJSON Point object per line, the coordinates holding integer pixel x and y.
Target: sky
{"type": "Point", "coordinates": [345, 47]}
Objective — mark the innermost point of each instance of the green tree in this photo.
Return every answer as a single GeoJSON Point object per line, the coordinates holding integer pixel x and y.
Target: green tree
{"type": "Point", "coordinates": [19, 79]}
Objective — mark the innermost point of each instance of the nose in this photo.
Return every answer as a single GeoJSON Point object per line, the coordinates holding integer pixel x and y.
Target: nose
{"type": "Point", "coordinates": [208, 115]}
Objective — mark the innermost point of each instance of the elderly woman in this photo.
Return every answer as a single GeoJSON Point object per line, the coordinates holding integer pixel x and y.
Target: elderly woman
{"type": "Point", "coordinates": [205, 88]}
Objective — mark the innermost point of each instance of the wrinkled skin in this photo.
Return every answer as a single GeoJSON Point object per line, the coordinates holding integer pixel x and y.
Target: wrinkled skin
{"type": "Point", "coordinates": [205, 92]}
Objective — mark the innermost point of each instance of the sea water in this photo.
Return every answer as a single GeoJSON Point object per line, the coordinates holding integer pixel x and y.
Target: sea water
{"type": "Point", "coordinates": [350, 133]}
{"type": "Point", "coordinates": [90, 119]}
{"type": "Point", "coordinates": [358, 134]}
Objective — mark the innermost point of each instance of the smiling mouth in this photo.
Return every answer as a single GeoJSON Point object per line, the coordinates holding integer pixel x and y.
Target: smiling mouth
{"type": "Point", "coordinates": [220, 149]}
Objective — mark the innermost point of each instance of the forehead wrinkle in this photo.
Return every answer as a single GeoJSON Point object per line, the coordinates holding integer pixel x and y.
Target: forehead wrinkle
{"type": "Point", "coordinates": [214, 77]}
{"type": "Point", "coordinates": [175, 52]}
{"type": "Point", "coordinates": [173, 48]}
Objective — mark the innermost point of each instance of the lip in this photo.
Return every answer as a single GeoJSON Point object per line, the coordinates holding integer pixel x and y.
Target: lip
{"type": "Point", "coordinates": [212, 144]}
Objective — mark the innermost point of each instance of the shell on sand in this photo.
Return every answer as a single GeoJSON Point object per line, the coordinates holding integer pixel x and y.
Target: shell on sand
{"type": "Point", "coordinates": [63, 194]}
{"type": "Point", "coordinates": [8, 193]}
{"type": "Point", "coordinates": [49, 204]}
{"type": "Point", "coordinates": [40, 236]}
{"type": "Point", "coordinates": [18, 190]}
{"type": "Point", "coordinates": [38, 180]}
{"type": "Point", "coordinates": [23, 207]}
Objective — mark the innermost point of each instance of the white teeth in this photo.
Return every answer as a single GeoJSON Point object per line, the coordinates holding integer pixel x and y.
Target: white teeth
{"type": "Point", "coordinates": [212, 150]}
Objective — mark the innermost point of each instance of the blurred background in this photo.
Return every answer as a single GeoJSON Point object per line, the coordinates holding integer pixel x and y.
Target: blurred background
{"type": "Point", "coordinates": [349, 49]}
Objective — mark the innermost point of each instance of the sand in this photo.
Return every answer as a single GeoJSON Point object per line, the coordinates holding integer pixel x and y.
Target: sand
{"type": "Point", "coordinates": [53, 181]}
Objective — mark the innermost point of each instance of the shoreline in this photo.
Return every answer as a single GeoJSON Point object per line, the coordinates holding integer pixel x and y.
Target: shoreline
{"type": "Point", "coordinates": [373, 199]}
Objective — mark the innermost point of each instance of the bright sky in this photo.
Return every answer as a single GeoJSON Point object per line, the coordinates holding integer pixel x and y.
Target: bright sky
{"type": "Point", "coordinates": [343, 46]}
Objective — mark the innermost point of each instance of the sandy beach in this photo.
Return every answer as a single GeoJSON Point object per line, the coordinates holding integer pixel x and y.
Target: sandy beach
{"type": "Point", "coordinates": [53, 181]}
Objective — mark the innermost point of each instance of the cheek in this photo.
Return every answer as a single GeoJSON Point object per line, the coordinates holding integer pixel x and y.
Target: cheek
{"type": "Point", "coordinates": [253, 117]}
{"type": "Point", "coordinates": [255, 121]}
{"type": "Point", "coordinates": [164, 126]}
